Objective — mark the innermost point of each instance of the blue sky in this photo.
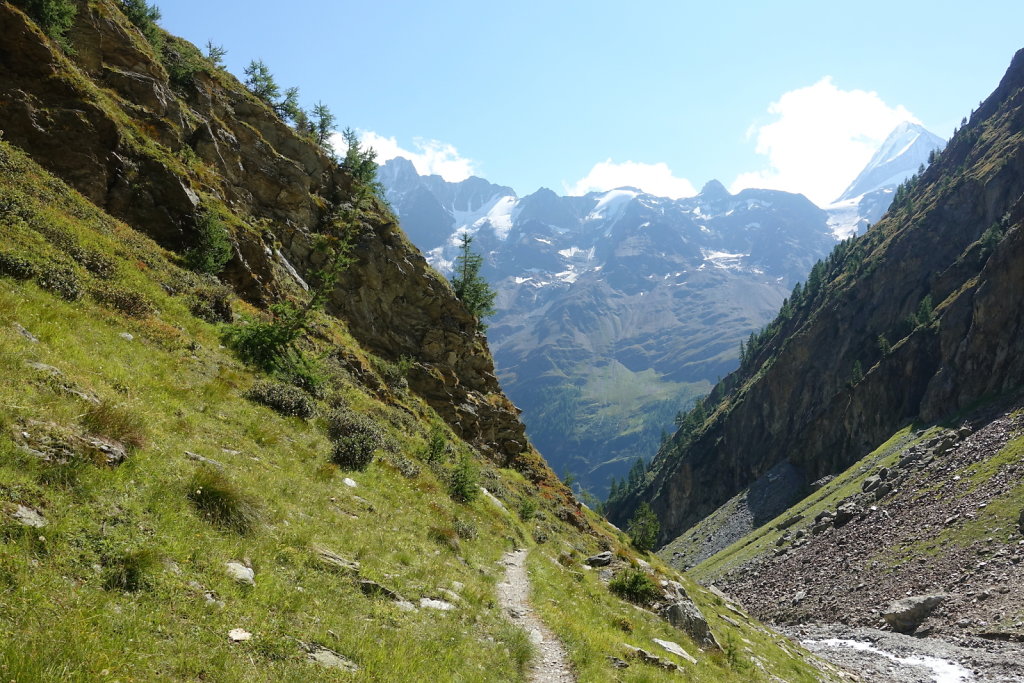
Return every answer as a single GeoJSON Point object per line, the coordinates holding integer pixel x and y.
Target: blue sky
{"type": "Point", "coordinates": [587, 95]}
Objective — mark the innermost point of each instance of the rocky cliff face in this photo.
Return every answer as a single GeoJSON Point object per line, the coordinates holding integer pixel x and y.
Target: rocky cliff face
{"type": "Point", "coordinates": [824, 389]}
{"type": "Point", "coordinates": [152, 148]}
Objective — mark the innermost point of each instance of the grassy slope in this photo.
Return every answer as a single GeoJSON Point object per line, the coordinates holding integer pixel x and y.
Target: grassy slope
{"type": "Point", "coordinates": [66, 610]}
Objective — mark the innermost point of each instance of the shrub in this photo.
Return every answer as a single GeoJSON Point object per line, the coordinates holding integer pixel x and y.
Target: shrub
{"type": "Point", "coordinates": [182, 61]}
{"type": "Point", "coordinates": [211, 303]}
{"type": "Point", "coordinates": [527, 509]}
{"type": "Point", "coordinates": [14, 266]}
{"type": "Point", "coordinates": [643, 527]}
{"type": "Point", "coordinates": [60, 279]}
{"type": "Point", "coordinates": [445, 536]}
{"type": "Point", "coordinates": [394, 374]}
{"type": "Point", "coordinates": [406, 467]}
{"type": "Point", "coordinates": [463, 484]}
{"type": "Point", "coordinates": [306, 374]}
{"type": "Point", "coordinates": [123, 300]}
{"type": "Point", "coordinates": [282, 398]}
{"type": "Point", "coordinates": [465, 529]}
{"type": "Point", "coordinates": [634, 585]}
{"type": "Point", "coordinates": [264, 344]}
{"type": "Point", "coordinates": [53, 16]}
{"type": "Point", "coordinates": [222, 502]}
{"type": "Point", "coordinates": [353, 452]}
{"type": "Point", "coordinates": [93, 261]}
{"type": "Point", "coordinates": [117, 423]}
{"type": "Point", "coordinates": [436, 447]}
{"type": "Point", "coordinates": [144, 16]}
{"type": "Point", "coordinates": [211, 249]}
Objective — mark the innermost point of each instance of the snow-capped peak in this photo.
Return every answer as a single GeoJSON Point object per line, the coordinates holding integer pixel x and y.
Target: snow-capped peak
{"type": "Point", "coordinates": [899, 157]}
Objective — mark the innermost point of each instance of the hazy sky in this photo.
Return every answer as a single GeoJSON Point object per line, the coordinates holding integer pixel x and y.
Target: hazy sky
{"type": "Point", "coordinates": [592, 95]}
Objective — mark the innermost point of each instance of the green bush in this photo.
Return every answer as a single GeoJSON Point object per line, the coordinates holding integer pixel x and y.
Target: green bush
{"type": "Point", "coordinates": [527, 509]}
{"type": "Point", "coordinates": [182, 61]}
{"type": "Point", "coordinates": [211, 303]}
{"type": "Point", "coordinates": [643, 527]}
{"type": "Point", "coordinates": [394, 374]}
{"type": "Point", "coordinates": [265, 343]}
{"type": "Point", "coordinates": [98, 264]}
{"type": "Point", "coordinates": [406, 467]}
{"type": "Point", "coordinates": [355, 438]}
{"type": "Point", "coordinates": [463, 482]}
{"type": "Point", "coordinates": [123, 300]}
{"type": "Point", "coordinates": [144, 16]}
{"type": "Point", "coordinates": [465, 529]}
{"type": "Point", "coordinates": [282, 398]}
{"type": "Point", "coordinates": [222, 502]}
{"type": "Point", "coordinates": [634, 585]}
{"type": "Point", "coordinates": [60, 279]}
{"type": "Point", "coordinates": [354, 452]}
{"type": "Point", "coordinates": [14, 266]}
{"type": "Point", "coordinates": [211, 249]}
{"type": "Point", "coordinates": [53, 16]}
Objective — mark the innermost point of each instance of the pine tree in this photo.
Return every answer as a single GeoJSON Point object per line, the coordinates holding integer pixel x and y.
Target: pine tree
{"type": "Point", "coordinates": [260, 82]}
{"type": "Point", "coordinates": [215, 53]}
{"type": "Point", "coordinates": [469, 285]}
{"type": "Point", "coordinates": [323, 125]}
{"type": "Point", "coordinates": [643, 527]}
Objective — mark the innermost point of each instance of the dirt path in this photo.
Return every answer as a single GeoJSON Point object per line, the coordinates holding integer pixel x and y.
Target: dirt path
{"type": "Point", "coordinates": [551, 665]}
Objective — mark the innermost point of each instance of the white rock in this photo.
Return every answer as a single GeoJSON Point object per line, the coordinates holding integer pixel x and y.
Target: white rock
{"type": "Point", "coordinates": [676, 649]}
{"type": "Point", "coordinates": [436, 604]}
{"type": "Point", "coordinates": [28, 517]}
{"type": "Point", "coordinates": [349, 482]}
{"type": "Point", "coordinates": [239, 572]}
{"type": "Point", "coordinates": [239, 634]}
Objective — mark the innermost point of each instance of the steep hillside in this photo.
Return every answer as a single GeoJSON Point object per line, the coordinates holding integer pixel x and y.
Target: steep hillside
{"type": "Point", "coordinates": [249, 434]}
{"type": "Point", "coordinates": [615, 309]}
{"type": "Point", "coordinates": [916, 320]}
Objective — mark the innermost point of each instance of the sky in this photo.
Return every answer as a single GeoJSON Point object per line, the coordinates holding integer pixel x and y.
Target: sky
{"type": "Point", "coordinates": [665, 96]}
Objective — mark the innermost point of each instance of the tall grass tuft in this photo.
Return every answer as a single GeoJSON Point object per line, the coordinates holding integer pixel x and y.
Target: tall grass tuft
{"type": "Point", "coordinates": [222, 502]}
{"type": "Point", "coordinates": [117, 423]}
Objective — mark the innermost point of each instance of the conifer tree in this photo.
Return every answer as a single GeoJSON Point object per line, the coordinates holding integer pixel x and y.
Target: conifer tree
{"type": "Point", "coordinates": [469, 285]}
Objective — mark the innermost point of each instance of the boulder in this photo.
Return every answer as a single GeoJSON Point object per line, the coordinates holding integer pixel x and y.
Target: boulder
{"type": "Point", "coordinates": [331, 561]}
{"type": "Point", "coordinates": [869, 484]}
{"type": "Point", "coordinates": [601, 559]}
{"type": "Point", "coordinates": [685, 616]}
{"type": "Point", "coordinates": [845, 513]}
{"type": "Point", "coordinates": [330, 659]}
{"type": "Point", "coordinates": [26, 516]}
{"type": "Point", "coordinates": [904, 616]}
{"type": "Point", "coordinates": [676, 649]}
{"type": "Point", "coordinates": [648, 658]}
{"type": "Point", "coordinates": [374, 589]}
{"type": "Point", "coordinates": [239, 572]}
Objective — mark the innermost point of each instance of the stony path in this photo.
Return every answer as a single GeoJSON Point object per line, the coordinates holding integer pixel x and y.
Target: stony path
{"type": "Point", "coordinates": [551, 665]}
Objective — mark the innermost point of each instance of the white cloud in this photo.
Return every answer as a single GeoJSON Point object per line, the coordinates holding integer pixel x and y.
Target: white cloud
{"type": "Point", "coordinates": [656, 179]}
{"type": "Point", "coordinates": [432, 157]}
{"type": "Point", "coordinates": [821, 139]}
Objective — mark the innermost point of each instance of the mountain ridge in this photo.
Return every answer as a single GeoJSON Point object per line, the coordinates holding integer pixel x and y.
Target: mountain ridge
{"type": "Point", "coordinates": [928, 279]}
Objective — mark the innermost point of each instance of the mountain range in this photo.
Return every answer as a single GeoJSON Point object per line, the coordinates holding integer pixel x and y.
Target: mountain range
{"type": "Point", "coordinates": [617, 309]}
